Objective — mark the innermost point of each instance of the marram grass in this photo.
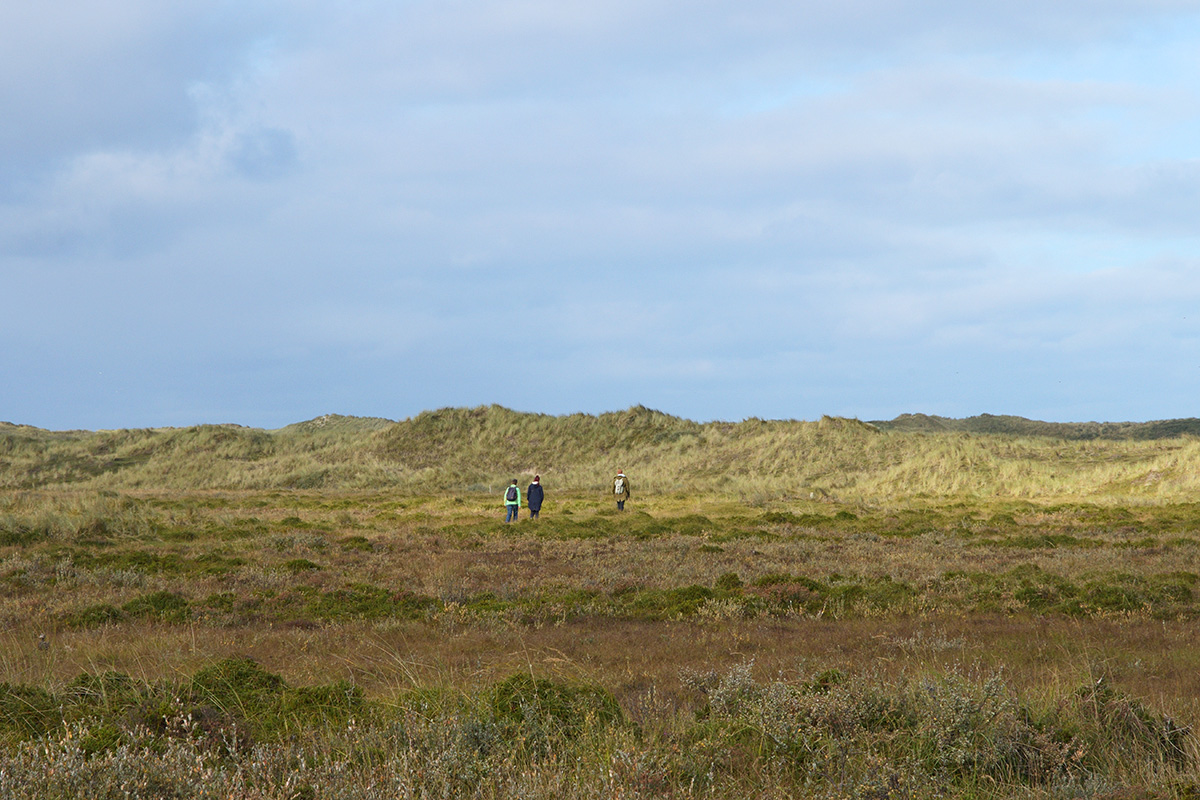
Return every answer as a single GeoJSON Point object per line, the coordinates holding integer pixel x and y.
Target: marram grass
{"type": "Point", "coordinates": [482, 449]}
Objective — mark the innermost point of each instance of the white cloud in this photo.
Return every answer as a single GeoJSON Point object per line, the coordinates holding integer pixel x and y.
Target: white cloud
{"type": "Point", "coordinates": [754, 195]}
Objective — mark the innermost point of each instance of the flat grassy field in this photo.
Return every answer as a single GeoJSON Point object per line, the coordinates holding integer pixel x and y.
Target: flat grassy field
{"type": "Point", "coordinates": [798, 630]}
{"type": "Point", "coordinates": [1022, 615]}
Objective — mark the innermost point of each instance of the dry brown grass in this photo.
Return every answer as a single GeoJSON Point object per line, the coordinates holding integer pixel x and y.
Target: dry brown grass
{"type": "Point", "coordinates": [641, 662]}
{"type": "Point", "coordinates": [453, 550]}
{"type": "Point", "coordinates": [544, 598]}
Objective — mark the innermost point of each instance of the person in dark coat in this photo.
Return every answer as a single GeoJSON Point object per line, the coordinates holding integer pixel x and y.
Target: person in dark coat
{"type": "Point", "coordinates": [534, 496]}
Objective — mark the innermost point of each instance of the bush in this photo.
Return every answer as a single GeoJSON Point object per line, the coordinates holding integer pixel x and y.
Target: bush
{"type": "Point", "coordinates": [26, 712]}
{"type": "Point", "coordinates": [93, 616]}
{"type": "Point", "coordinates": [938, 730]}
{"type": "Point", "coordinates": [729, 582]}
{"type": "Point", "coordinates": [236, 685]}
{"type": "Point", "coordinates": [237, 730]}
{"type": "Point", "coordinates": [539, 708]}
{"type": "Point", "coordinates": [299, 565]}
{"type": "Point", "coordinates": [165, 606]}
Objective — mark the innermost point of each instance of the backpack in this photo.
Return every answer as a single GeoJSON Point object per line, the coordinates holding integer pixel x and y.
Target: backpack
{"type": "Point", "coordinates": [619, 485]}
{"type": "Point", "coordinates": [511, 494]}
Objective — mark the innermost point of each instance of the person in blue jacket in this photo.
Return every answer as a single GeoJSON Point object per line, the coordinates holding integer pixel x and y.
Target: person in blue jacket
{"type": "Point", "coordinates": [512, 501]}
{"type": "Point", "coordinates": [534, 496]}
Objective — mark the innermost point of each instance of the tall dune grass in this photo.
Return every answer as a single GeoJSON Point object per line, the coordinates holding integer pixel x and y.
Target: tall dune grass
{"type": "Point", "coordinates": [482, 449]}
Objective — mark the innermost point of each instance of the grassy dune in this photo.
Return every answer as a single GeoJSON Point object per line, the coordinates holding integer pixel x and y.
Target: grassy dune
{"type": "Point", "coordinates": [915, 608]}
{"type": "Point", "coordinates": [483, 448]}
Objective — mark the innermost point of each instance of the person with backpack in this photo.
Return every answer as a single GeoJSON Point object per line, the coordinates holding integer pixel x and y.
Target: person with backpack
{"type": "Point", "coordinates": [534, 496]}
{"type": "Point", "coordinates": [512, 501]}
{"type": "Point", "coordinates": [621, 489]}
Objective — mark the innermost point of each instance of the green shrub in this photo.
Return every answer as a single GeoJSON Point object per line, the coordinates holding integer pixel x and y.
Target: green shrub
{"type": "Point", "coordinates": [26, 712]}
{"type": "Point", "coordinates": [365, 602]}
{"type": "Point", "coordinates": [93, 616]}
{"type": "Point", "coordinates": [729, 582]}
{"type": "Point", "coordinates": [1127, 730]}
{"type": "Point", "coordinates": [164, 606]}
{"type": "Point", "coordinates": [18, 534]}
{"type": "Point", "coordinates": [217, 564]}
{"type": "Point", "coordinates": [665, 603]}
{"type": "Point", "coordinates": [361, 543]}
{"type": "Point", "coordinates": [236, 686]}
{"type": "Point", "coordinates": [524, 704]}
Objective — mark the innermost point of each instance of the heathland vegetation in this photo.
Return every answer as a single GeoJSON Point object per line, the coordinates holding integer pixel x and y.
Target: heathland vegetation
{"type": "Point", "coordinates": [992, 607]}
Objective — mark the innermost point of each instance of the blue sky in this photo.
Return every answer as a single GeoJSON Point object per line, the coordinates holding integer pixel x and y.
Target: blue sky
{"type": "Point", "coordinates": [260, 212]}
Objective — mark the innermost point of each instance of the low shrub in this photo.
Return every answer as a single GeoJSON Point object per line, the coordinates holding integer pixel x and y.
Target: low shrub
{"type": "Point", "coordinates": [525, 704]}
{"type": "Point", "coordinates": [93, 616]}
{"type": "Point", "coordinates": [235, 729]}
{"type": "Point", "coordinates": [163, 606]}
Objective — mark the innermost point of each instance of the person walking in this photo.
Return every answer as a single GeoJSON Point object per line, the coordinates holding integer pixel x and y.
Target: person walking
{"type": "Point", "coordinates": [534, 496]}
{"type": "Point", "coordinates": [512, 501]}
{"type": "Point", "coordinates": [621, 489]}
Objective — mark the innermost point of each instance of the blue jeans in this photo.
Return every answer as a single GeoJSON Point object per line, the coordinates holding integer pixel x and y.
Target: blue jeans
{"type": "Point", "coordinates": [513, 510]}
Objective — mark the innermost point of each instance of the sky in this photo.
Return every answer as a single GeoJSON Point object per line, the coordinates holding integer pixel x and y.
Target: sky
{"type": "Point", "coordinates": [258, 212]}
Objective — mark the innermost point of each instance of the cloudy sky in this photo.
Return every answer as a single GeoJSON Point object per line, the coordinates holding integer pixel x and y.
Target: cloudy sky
{"type": "Point", "coordinates": [262, 211]}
